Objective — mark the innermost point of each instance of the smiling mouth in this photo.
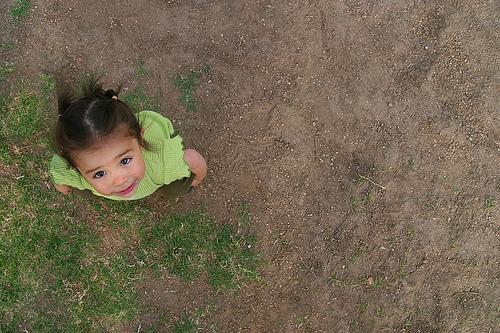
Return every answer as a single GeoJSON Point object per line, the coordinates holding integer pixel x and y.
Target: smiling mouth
{"type": "Point", "coordinates": [128, 190]}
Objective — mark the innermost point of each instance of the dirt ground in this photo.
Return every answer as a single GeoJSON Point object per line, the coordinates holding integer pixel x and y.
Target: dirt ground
{"type": "Point", "coordinates": [363, 134]}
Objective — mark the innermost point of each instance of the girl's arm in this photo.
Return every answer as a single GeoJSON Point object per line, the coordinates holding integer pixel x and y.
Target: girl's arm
{"type": "Point", "coordinates": [197, 165]}
{"type": "Point", "coordinates": [64, 189]}
{"type": "Point", "coordinates": [64, 177]}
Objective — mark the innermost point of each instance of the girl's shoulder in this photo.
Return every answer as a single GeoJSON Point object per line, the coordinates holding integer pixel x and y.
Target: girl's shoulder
{"type": "Point", "coordinates": [154, 124]}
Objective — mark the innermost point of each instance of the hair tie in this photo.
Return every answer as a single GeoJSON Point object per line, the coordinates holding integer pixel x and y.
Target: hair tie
{"type": "Point", "coordinates": [111, 94]}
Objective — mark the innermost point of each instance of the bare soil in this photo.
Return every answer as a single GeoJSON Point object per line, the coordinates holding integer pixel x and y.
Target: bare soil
{"type": "Point", "coordinates": [364, 135]}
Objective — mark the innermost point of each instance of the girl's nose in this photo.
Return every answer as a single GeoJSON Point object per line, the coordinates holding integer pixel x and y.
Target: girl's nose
{"type": "Point", "coordinates": [119, 180]}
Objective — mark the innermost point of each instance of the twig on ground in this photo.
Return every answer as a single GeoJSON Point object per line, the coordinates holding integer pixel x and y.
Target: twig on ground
{"type": "Point", "coordinates": [371, 181]}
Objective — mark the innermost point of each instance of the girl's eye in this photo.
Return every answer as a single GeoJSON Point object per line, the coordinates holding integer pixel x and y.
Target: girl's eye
{"type": "Point", "coordinates": [99, 174]}
{"type": "Point", "coordinates": [125, 161]}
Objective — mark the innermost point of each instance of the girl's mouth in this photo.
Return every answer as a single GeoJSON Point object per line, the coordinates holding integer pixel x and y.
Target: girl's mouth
{"type": "Point", "coordinates": [128, 190]}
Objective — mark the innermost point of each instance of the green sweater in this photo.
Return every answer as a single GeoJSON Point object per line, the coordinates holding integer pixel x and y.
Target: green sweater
{"type": "Point", "coordinates": [164, 161]}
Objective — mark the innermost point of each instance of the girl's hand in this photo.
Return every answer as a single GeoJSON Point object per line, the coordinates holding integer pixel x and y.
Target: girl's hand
{"type": "Point", "coordinates": [197, 165]}
{"type": "Point", "coordinates": [64, 189]}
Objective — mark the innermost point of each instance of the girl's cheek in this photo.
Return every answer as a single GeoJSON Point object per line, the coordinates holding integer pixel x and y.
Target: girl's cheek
{"type": "Point", "coordinates": [103, 190]}
{"type": "Point", "coordinates": [141, 172]}
{"type": "Point", "coordinates": [100, 187]}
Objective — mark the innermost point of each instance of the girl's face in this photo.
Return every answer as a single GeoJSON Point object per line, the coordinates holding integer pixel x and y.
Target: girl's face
{"type": "Point", "coordinates": [114, 166]}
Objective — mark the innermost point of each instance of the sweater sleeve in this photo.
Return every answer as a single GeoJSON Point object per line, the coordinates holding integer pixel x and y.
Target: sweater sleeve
{"type": "Point", "coordinates": [157, 126]}
{"type": "Point", "coordinates": [175, 166]}
{"type": "Point", "coordinates": [160, 134]}
{"type": "Point", "coordinates": [63, 174]}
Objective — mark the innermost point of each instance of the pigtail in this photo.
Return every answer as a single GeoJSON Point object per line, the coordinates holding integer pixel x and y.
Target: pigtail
{"type": "Point", "coordinates": [114, 93]}
{"type": "Point", "coordinates": [64, 100]}
{"type": "Point", "coordinates": [110, 93]}
{"type": "Point", "coordinates": [65, 96]}
{"type": "Point", "coordinates": [92, 87]}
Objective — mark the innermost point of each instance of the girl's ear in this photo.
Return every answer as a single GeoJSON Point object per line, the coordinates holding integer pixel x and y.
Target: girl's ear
{"type": "Point", "coordinates": [142, 133]}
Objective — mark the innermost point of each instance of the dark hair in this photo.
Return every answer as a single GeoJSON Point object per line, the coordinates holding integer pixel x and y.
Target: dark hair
{"type": "Point", "coordinates": [83, 121]}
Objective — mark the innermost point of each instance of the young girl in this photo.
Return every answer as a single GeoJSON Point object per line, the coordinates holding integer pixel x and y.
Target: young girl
{"type": "Point", "coordinates": [103, 147]}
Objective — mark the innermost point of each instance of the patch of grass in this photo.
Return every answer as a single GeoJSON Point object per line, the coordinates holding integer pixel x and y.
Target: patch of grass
{"type": "Point", "coordinates": [187, 85]}
{"type": "Point", "coordinates": [355, 326]}
{"type": "Point", "coordinates": [358, 180]}
{"type": "Point", "coordinates": [489, 203]}
{"type": "Point", "coordinates": [58, 273]}
{"type": "Point", "coordinates": [244, 215]}
{"type": "Point", "coordinates": [20, 9]}
{"type": "Point", "coordinates": [7, 46]}
{"type": "Point", "coordinates": [158, 325]}
{"type": "Point", "coordinates": [234, 261]}
{"type": "Point", "coordinates": [189, 244]}
{"type": "Point", "coordinates": [5, 70]}
{"type": "Point", "coordinates": [51, 270]}
{"type": "Point", "coordinates": [138, 100]}
{"type": "Point", "coordinates": [141, 71]}
{"type": "Point", "coordinates": [380, 312]}
{"type": "Point", "coordinates": [303, 322]}
{"type": "Point", "coordinates": [48, 85]}
{"type": "Point", "coordinates": [356, 255]}
{"type": "Point", "coordinates": [402, 272]}
{"type": "Point", "coordinates": [355, 202]}
{"type": "Point", "coordinates": [280, 323]}
{"type": "Point", "coordinates": [363, 307]}
{"type": "Point", "coordinates": [194, 322]}
{"type": "Point", "coordinates": [186, 325]}
{"type": "Point", "coordinates": [409, 231]}
{"type": "Point", "coordinates": [403, 269]}
{"type": "Point", "coordinates": [377, 282]}
{"type": "Point", "coordinates": [412, 164]}
{"type": "Point", "coordinates": [368, 197]}
{"type": "Point", "coordinates": [407, 323]}
{"type": "Point", "coordinates": [122, 214]}
{"type": "Point", "coordinates": [343, 282]}
{"type": "Point", "coordinates": [453, 243]}
{"type": "Point", "coordinates": [22, 115]}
